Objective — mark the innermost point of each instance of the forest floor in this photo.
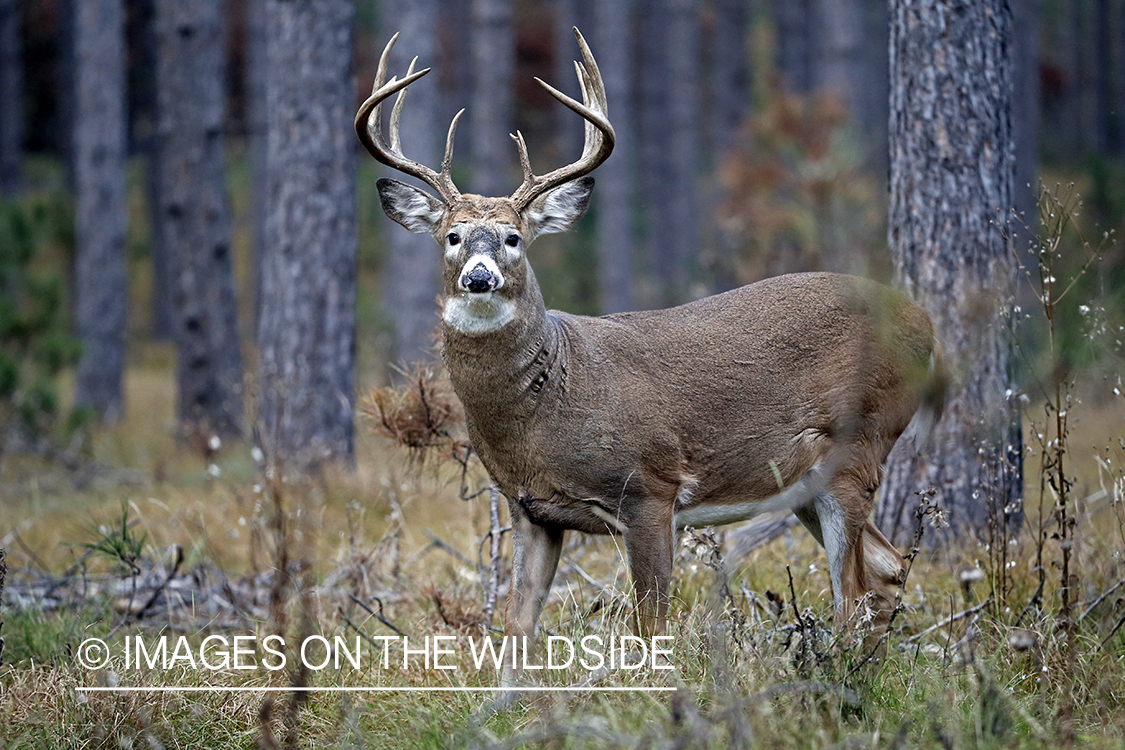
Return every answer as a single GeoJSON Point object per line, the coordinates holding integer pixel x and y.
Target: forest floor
{"type": "Point", "coordinates": [143, 538]}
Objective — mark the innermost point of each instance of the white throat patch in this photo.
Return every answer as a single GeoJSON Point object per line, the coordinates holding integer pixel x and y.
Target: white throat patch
{"type": "Point", "coordinates": [475, 314]}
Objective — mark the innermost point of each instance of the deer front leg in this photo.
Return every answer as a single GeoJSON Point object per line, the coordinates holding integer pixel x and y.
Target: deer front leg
{"type": "Point", "coordinates": [649, 546]}
{"type": "Point", "coordinates": [535, 556]}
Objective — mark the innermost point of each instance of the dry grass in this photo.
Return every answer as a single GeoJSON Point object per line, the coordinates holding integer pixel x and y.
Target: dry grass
{"type": "Point", "coordinates": [746, 676]}
{"type": "Point", "coordinates": [392, 547]}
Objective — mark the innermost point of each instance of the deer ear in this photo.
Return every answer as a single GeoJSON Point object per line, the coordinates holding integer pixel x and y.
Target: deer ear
{"type": "Point", "coordinates": [415, 209]}
{"type": "Point", "coordinates": [557, 209]}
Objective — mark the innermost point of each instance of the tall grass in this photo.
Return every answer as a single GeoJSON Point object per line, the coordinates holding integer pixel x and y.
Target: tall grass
{"type": "Point", "coordinates": [1011, 641]}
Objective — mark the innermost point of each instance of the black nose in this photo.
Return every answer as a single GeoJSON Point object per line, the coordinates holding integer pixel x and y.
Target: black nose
{"type": "Point", "coordinates": [480, 279]}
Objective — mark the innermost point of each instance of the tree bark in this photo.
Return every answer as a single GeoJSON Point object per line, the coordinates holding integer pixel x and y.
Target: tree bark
{"type": "Point", "coordinates": [1093, 65]}
{"type": "Point", "coordinates": [730, 99]}
{"type": "Point", "coordinates": [839, 43]}
{"type": "Point", "coordinates": [1025, 111]}
{"type": "Point", "coordinates": [654, 144]}
{"type": "Point", "coordinates": [256, 126]}
{"type": "Point", "coordinates": [306, 338]}
{"type": "Point", "coordinates": [163, 309]}
{"type": "Point", "coordinates": [100, 220]}
{"type": "Point", "coordinates": [493, 38]}
{"type": "Point", "coordinates": [730, 73]}
{"type": "Point", "coordinates": [794, 24]}
{"type": "Point", "coordinates": [569, 130]}
{"type": "Point", "coordinates": [614, 195]}
{"type": "Point", "coordinates": [195, 214]}
{"type": "Point", "coordinates": [11, 98]}
{"type": "Point", "coordinates": [411, 273]}
{"type": "Point", "coordinates": [684, 125]}
{"type": "Point", "coordinates": [951, 177]}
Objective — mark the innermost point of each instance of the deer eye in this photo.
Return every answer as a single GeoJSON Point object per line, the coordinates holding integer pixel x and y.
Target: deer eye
{"type": "Point", "coordinates": [454, 238]}
{"type": "Point", "coordinates": [513, 240]}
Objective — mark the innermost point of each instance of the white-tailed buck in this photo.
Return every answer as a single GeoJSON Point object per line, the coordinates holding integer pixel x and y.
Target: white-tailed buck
{"type": "Point", "coordinates": [788, 393]}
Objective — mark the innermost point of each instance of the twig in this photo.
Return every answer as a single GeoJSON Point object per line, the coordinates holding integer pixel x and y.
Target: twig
{"type": "Point", "coordinates": [494, 565]}
{"type": "Point", "coordinates": [793, 597]}
{"type": "Point", "coordinates": [1114, 631]}
{"type": "Point", "coordinates": [435, 541]}
{"type": "Point", "coordinates": [950, 620]}
{"type": "Point", "coordinates": [29, 552]}
{"type": "Point", "coordinates": [1101, 599]}
{"type": "Point", "coordinates": [755, 534]}
{"type": "Point", "coordinates": [163, 585]}
{"type": "Point", "coordinates": [847, 695]}
{"type": "Point", "coordinates": [377, 615]}
{"type": "Point", "coordinates": [583, 574]}
{"type": "Point", "coordinates": [360, 631]}
{"type": "Point", "coordinates": [463, 488]}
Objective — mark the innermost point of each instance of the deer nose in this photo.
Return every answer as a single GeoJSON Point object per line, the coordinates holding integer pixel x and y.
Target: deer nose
{"type": "Point", "coordinates": [478, 280]}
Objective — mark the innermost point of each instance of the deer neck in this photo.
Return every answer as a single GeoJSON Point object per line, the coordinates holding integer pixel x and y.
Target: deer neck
{"type": "Point", "coordinates": [508, 371]}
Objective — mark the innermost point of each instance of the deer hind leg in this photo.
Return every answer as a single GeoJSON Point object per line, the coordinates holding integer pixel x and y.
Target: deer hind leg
{"type": "Point", "coordinates": [825, 519]}
{"type": "Point", "coordinates": [535, 557]}
{"type": "Point", "coordinates": [649, 546]}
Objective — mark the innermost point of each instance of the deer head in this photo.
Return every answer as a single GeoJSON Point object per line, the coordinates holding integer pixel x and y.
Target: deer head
{"type": "Point", "coordinates": [484, 238]}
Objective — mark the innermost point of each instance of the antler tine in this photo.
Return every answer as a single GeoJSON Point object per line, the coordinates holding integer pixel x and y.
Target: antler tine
{"type": "Point", "coordinates": [369, 128]}
{"type": "Point", "coordinates": [396, 111]}
{"type": "Point", "coordinates": [447, 160]}
{"type": "Point", "coordinates": [599, 135]}
{"type": "Point", "coordinates": [525, 162]}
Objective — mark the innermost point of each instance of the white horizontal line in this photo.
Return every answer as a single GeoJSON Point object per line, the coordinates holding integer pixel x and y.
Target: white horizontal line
{"type": "Point", "coordinates": [367, 689]}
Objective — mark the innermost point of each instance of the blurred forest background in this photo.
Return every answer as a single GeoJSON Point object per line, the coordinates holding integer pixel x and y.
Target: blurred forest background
{"type": "Point", "coordinates": [196, 276]}
{"type": "Point", "coordinates": [141, 140]}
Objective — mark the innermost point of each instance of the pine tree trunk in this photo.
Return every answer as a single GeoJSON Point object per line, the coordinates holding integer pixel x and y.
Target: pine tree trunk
{"type": "Point", "coordinates": [614, 195]}
{"type": "Point", "coordinates": [411, 272]}
{"type": "Point", "coordinates": [1092, 51]}
{"type": "Point", "coordinates": [11, 98]}
{"type": "Point", "coordinates": [839, 43]}
{"type": "Point", "coordinates": [1071, 42]}
{"type": "Point", "coordinates": [100, 220]}
{"type": "Point", "coordinates": [1025, 110]}
{"type": "Point", "coordinates": [730, 74]}
{"type": "Point", "coordinates": [491, 116]}
{"type": "Point", "coordinates": [1117, 81]}
{"type": "Point", "coordinates": [256, 126]}
{"type": "Point", "coordinates": [306, 339]}
{"type": "Point", "coordinates": [684, 124]}
{"type": "Point", "coordinates": [951, 177]}
{"type": "Point", "coordinates": [873, 96]}
{"type": "Point", "coordinates": [794, 22]}
{"type": "Point", "coordinates": [569, 130]}
{"type": "Point", "coordinates": [162, 308]}
{"type": "Point", "coordinates": [654, 145]}
{"type": "Point", "coordinates": [195, 214]}
{"type": "Point", "coordinates": [730, 100]}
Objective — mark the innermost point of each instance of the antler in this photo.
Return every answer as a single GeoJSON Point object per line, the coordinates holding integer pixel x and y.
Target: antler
{"type": "Point", "coordinates": [599, 133]}
{"type": "Point", "coordinates": [369, 128]}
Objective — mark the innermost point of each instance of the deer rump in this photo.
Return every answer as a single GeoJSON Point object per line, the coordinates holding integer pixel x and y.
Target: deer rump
{"type": "Point", "coordinates": [740, 403]}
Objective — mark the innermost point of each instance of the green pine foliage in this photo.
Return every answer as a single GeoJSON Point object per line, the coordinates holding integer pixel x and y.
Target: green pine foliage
{"type": "Point", "coordinates": [35, 339]}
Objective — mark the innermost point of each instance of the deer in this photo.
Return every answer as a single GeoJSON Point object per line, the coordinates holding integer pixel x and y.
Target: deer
{"type": "Point", "coordinates": [786, 394]}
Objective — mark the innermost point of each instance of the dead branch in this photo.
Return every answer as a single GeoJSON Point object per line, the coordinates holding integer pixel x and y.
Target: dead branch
{"type": "Point", "coordinates": [1100, 599]}
{"type": "Point", "coordinates": [494, 533]}
{"type": "Point", "coordinates": [950, 620]}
